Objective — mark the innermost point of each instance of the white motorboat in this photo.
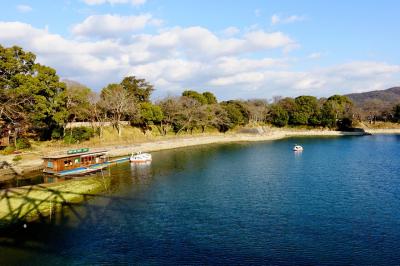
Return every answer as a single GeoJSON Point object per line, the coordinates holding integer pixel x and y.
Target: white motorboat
{"type": "Point", "coordinates": [297, 148]}
{"type": "Point", "coordinates": [140, 157]}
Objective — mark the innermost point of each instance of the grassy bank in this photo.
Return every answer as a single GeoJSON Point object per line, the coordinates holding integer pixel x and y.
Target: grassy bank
{"type": "Point", "coordinates": [39, 201]}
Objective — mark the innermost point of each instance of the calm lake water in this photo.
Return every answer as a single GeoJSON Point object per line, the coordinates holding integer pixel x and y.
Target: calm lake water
{"type": "Point", "coordinates": [337, 202]}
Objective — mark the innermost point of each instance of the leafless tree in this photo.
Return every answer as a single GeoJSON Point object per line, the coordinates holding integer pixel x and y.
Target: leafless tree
{"type": "Point", "coordinates": [119, 104]}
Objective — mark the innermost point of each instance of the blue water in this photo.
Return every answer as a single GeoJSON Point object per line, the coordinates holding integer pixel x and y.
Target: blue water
{"type": "Point", "coordinates": [337, 202]}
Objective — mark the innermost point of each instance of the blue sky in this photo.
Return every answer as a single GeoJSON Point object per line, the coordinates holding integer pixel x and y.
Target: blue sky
{"type": "Point", "coordinates": [237, 49]}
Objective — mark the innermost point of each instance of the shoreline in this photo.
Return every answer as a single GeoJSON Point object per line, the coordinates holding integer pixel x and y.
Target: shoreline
{"type": "Point", "coordinates": [220, 139]}
{"type": "Point", "coordinates": [27, 166]}
{"type": "Point", "coordinates": [28, 203]}
{"type": "Point", "coordinates": [374, 131]}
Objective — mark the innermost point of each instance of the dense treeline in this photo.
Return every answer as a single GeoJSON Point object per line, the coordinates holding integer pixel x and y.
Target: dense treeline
{"type": "Point", "coordinates": [36, 104]}
{"type": "Point", "coordinates": [336, 111]}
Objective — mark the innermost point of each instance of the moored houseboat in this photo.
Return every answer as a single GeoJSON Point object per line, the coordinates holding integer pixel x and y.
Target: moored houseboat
{"type": "Point", "coordinates": [76, 162]}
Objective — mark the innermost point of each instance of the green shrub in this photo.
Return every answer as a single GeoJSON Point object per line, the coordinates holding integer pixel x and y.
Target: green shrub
{"type": "Point", "coordinates": [23, 143]}
{"type": "Point", "coordinates": [17, 158]}
{"type": "Point", "coordinates": [78, 134]}
{"type": "Point", "coordinates": [57, 133]}
{"type": "Point", "coordinates": [70, 139]}
{"type": "Point", "coordinates": [8, 150]}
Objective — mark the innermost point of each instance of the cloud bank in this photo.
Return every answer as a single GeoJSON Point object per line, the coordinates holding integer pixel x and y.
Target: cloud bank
{"type": "Point", "coordinates": [234, 64]}
{"type": "Point", "coordinates": [106, 26]}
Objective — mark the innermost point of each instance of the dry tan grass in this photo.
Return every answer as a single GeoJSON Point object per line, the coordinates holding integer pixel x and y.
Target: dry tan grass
{"type": "Point", "coordinates": [130, 135]}
{"type": "Point", "coordinates": [381, 125]}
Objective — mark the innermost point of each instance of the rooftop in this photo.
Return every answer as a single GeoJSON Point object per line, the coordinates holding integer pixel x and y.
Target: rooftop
{"type": "Point", "coordinates": [66, 155]}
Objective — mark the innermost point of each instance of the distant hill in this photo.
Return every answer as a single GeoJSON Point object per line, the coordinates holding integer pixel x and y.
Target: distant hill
{"type": "Point", "coordinates": [376, 101]}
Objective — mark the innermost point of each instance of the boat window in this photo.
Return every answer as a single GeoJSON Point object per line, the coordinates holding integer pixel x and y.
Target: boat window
{"type": "Point", "coordinates": [49, 164]}
{"type": "Point", "coordinates": [76, 160]}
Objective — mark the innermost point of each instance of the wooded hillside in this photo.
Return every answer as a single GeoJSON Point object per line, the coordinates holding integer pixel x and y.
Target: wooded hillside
{"type": "Point", "coordinates": [376, 103]}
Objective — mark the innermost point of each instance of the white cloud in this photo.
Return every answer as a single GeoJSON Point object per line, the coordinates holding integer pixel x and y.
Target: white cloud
{"type": "Point", "coordinates": [359, 69]}
{"type": "Point", "coordinates": [114, 2]}
{"type": "Point", "coordinates": [201, 44]}
{"type": "Point", "coordinates": [197, 58]}
{"type": "Point", "coordinates": [171, 70]}
{"type": "Point", "coordinates": [230, 31]}
{"type": "Point", "coordinates": [233, 65]}
{"type": "Point", "coordinates": [105, 26]}
{"type": "Point", "coordinates": [315, 55]}
{"type": "Point", "coordinates": [275, 19]}
{"type": "Point", "coordinates": [278, 19]}
{"type": "Point", "coordinates": [239, 79]}
{"type": "Point", "coordinates": [93, 63]}
{"type": "Point", "coordinates": [340, 79]}
{"type": "Point", "coordinates": [24, 8]}
{"type": "Point", "coordinates": [266, 40]}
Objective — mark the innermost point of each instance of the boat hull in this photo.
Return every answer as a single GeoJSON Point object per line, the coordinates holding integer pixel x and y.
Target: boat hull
{"type": "Point", "coordinates": [140, 161]}
{"type": "Point", "coordinates": [140, 158]}
{"type": "Point", "coordinates": [79, 171]}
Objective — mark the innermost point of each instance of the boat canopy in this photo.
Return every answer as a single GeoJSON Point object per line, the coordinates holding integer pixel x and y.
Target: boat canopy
{"type": "Point", "coordinates": [82, 154]}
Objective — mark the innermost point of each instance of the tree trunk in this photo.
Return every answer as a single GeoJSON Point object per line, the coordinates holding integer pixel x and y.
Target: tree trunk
{"type": "Point", "coordinates": [15, 138]}
{"type": "Point", "coordinates": [119, 129]}
{"type": "Point", "coordinates": [101, 131]}
{"type": "Point", "coordinates": [64, 129]}
{"type": "Point", "coordinates": [184, 126]}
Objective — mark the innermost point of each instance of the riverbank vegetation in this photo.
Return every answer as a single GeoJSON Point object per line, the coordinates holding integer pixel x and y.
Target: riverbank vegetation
{"type": "Point", "coordinates": [36, 105]}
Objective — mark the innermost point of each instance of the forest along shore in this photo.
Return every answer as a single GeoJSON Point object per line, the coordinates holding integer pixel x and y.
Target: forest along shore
{"type": "Point", "coordinates": [256, 134]}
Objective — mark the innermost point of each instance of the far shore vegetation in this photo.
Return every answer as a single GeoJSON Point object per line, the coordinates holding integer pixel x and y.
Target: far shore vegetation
{"type": "Point", "coordinates": [36, 107]}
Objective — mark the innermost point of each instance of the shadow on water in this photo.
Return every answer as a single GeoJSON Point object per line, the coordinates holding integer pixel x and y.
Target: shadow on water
{"type": "Point", "coordinates": [57, 218]}
{"type": "Point", "coordinates": [52, 213]}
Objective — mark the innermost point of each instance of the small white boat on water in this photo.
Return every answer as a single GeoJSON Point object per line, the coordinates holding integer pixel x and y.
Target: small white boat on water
{"type": "Point", "coordinates": [140, 157]}
{"type": "Point", "coordinates": [297, 148]}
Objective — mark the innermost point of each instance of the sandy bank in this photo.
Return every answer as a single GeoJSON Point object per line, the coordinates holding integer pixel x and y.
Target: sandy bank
{"type": "Point", "coordinates": [383, 130]}
{"type": "Point", "coordinates": [221, 138]}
